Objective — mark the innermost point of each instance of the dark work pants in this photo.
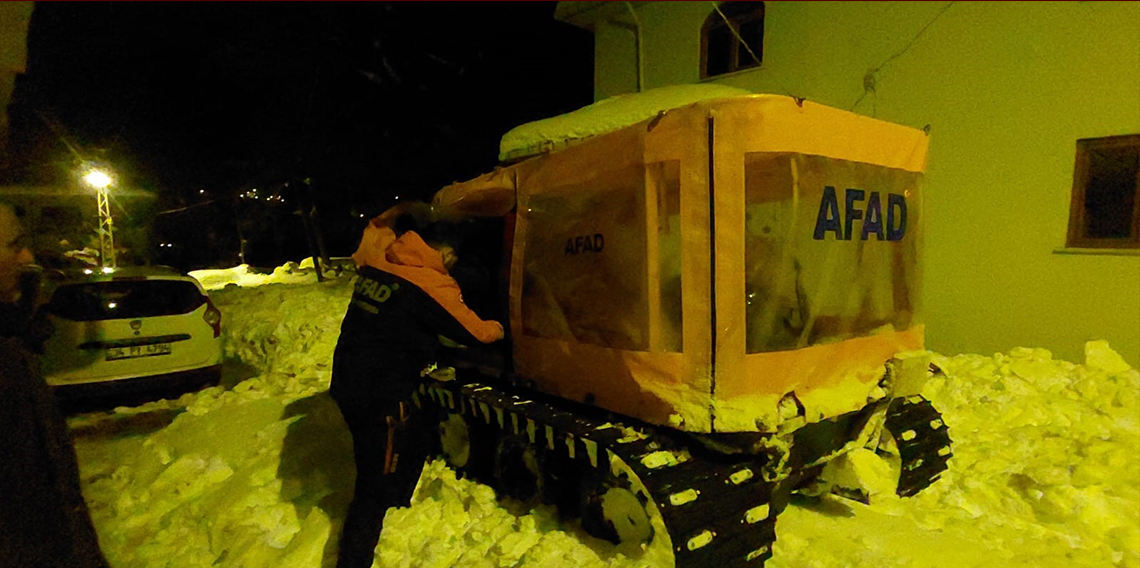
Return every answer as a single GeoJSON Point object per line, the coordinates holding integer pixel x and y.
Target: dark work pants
{"type": "Point", "coordinates": [375, 492]}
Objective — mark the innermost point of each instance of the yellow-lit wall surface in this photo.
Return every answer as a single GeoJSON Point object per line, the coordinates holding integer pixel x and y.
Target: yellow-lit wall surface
{"type": "Point", "coordinates": [14, 20]}
{"type": "Point", "coordinates": [1008, 88]}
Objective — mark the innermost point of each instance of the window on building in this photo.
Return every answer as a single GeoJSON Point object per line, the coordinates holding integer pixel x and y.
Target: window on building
{"type": "Point", "coordinates": [721, 50]}
{"type": "Point", "coordinates": [1105, 210]}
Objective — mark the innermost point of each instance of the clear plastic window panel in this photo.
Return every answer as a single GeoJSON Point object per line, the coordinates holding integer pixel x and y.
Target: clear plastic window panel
{"type": "Point", "coordinates": [664, 180]}
{"type": "Point", "coordinates": [584, 264]}
{"type": "Point", "coordinates": [831, 250]}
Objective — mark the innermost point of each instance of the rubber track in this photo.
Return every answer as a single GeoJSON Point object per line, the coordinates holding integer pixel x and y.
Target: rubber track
{"type": "Point", "coordinates": [710, 530]}
{"type": "Point", "coordinates": [924, 456]}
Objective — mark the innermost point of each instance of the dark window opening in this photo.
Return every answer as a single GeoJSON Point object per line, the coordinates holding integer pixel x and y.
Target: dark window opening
{"type": "Point", "coordinates": [1105, 210]}
{"type": "Point", "coordinates": [721, 51]}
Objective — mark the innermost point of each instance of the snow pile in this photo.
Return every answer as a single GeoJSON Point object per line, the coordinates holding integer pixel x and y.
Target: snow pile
{"type": "Point", "coordinates": [242, 275]}
{"type": "Point", "coordinates": [286, 331]}
{"type": "Point", "coordinates": [604, 116]}
{"type": "Point", "coordinates": [454, 522]}
{"type": "Point", "coordinates": [207, 490]}
{"type": "Point", "coordinates": [258, 473]}
{"type": "Point", "coordinates": [1044, 474]}
{"type": "Point", "coordinates": [1046, 456]}
{"type": "Point", "coordinates": [235, 479]}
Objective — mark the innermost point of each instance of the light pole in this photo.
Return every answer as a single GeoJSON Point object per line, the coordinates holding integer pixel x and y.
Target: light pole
{"type": "Point", "coordinates": [101, 182]}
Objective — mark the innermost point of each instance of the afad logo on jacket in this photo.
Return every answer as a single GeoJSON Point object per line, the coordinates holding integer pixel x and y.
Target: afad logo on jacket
{"type": "Point", "coordinates": [374, 290]}
{"type": "Point", "coordinates": [842, 224]}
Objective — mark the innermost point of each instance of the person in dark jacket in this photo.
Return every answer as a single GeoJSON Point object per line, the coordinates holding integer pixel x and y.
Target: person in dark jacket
{"type": "Point", "coordinates": [44, 522]}
{"type": "Point", "coordinates": [403, 299]}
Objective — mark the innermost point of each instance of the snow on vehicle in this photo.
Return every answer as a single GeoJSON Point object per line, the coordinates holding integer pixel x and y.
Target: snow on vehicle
{"type": "Point", "coordinates": [708, 310]}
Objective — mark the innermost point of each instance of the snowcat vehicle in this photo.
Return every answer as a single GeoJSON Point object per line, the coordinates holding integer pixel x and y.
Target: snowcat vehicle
{"type": "Point", "coordinates": [708, 310]}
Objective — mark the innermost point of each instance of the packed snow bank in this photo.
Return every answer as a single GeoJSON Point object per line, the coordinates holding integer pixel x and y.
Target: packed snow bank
{"type": "Point", "coordinates": [235, 476]}
{"type": "Point", "coordinates": [241, 275]}
{"type": "Point", "coordinates": [604, 116]}
{"type": "Point", "coordinates": [259, 473]}
{"type": "Point", "coordinates": [1044, 474]}
{"type": "Point", "coordinates": [289, 273]}
{"type": "Point", "coordinates": [1045, 461]}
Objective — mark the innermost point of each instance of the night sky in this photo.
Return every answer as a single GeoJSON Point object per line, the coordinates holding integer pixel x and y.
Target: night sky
{"type": "Point", "coordinates": [367, 100]}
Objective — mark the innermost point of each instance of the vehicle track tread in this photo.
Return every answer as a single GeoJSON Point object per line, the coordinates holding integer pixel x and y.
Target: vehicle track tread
{"type": "Point", "coordinates": [715, 514]}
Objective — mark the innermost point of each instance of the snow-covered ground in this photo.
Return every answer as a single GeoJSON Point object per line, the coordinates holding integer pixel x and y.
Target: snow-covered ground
{"type": "Point", "coordinates": [258, 472]}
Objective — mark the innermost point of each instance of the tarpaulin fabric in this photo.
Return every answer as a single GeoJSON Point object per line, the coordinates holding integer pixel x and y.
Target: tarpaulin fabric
{"type": "Point", "coordinates": [830, 251]}
{"type": "Point", "coordinates": [695, 268]}
{"type": "Point", "coordinates": [598, 273]}
{"type": "Point", "coordinates": [489, 195]}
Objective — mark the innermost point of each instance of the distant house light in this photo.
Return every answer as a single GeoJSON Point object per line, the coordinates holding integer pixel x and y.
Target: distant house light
{"type": "Point", "coordinates": [721, 51]}
{"type": "Point", "coordinates": [1105, 206]}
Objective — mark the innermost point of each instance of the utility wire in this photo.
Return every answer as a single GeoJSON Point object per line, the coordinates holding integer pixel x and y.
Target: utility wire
{"type": "Point", "coordinates": [187, 208]}
{"type": "Point", "coordinates": [869, 77]}
{"type": "Point", "coordinates": [736, 33]}
{"type": "Point", "coordinates": [755, 58]}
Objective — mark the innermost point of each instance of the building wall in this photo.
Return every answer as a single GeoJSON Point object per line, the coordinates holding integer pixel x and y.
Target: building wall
{"type": "Point", "coordinates": [615, 71]}
{"type": "Point", "coordinates": [14, 20]}
{"type": "Point", "coordinates": [1007, 89]}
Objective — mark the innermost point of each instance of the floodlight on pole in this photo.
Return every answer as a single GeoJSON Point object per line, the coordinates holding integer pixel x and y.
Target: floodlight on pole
{"type": "Point", "coordinates": [97, 179]}
{"type": "Point", "coordinates": [101, 181]}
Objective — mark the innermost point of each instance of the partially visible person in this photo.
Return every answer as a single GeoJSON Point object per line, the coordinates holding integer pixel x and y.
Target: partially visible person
{"type": "Point", "coordinates": [15, 260]}
{"type": "Point", "coordinates": [403, 300]}
{"type": "Point", "coordinates": [44, 522]}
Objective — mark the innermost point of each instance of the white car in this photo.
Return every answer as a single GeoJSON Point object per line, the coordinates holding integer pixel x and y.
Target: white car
{"type": "Point", "coordinates": [132, 327]}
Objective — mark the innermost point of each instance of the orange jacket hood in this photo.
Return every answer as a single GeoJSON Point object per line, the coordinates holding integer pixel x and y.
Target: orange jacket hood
{"type": "Point", "coordinates": [411, 251]}
{"type": "Point", "coordinates": [410, 258]}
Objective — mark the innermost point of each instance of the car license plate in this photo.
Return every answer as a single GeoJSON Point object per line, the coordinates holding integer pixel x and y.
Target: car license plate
{"type": "Point", "coordinates": [135, 351]}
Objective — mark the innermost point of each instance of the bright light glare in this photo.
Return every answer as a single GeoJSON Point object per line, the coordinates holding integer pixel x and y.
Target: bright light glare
{"type": "Point", "coordinates": [108, 270]}
{"type": "Point", "coordinates": [97, 179]}
{"type": "Point", "coordinates": [112, 305]}
{"type": "Point", "coordinates": [87, 271]}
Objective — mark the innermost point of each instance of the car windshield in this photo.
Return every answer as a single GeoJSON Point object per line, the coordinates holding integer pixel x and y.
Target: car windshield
{"type": "Point", "coordinates": [121, 299]}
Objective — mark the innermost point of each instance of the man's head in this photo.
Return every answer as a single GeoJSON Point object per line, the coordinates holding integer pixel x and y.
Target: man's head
{"type": "Point", "coordinates": [14, 253]}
